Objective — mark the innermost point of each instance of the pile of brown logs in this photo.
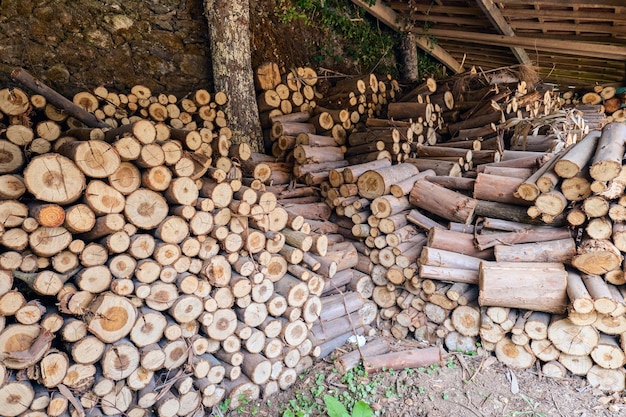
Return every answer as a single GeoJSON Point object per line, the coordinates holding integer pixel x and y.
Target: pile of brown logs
{"type": "Point", "coordinates": [471, 278]}
{"type": "Point", "coordinates": [149, 263]}
{"type": "Point", "coordinates": [147, 267]}
{"type": "Point", "coordinates": [610, 98]}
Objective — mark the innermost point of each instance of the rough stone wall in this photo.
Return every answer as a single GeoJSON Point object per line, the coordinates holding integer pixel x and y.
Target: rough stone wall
{"type": "Point", "coordinates": [76, 45]}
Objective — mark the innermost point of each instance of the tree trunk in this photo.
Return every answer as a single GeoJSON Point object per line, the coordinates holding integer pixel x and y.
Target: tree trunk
{"type": "Point", "coordinates": [232, 68]}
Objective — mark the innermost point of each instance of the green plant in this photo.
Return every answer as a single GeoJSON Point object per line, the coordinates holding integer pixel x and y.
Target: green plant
{"type": "Point", "coordinates": [450, 363]}
{"type": "Point", "coordinates": [224, 405]}
{"type": "Point", "coordinates": [301, 406]}
{"type": "Point", "coordinates": [336, 409]}
{"type": "Point", "coordinates": [359, 36]}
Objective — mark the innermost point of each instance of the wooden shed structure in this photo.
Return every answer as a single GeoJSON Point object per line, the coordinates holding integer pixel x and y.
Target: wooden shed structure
{"type": "Point", "coordinates": [569, 42]}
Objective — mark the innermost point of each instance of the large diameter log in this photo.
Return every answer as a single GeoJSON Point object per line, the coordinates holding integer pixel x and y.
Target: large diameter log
{"type": "Point", "coordinates": [597, 257]}
{"type": "Point", "coordinates": [97, 159]}
{"type": "Point", "coordinates": [54, 178]}
{"type": "Point", "coordinates": [448, 204]}
{"type": "Point", "coordinates": [607, 161]}
{"type": "Point", "coordinates": [572, 339]}
{"type": "Point", "coordinates": [113, 317]}
{"type": "Point", "coordinates": [496, 188]}
{"type": "Point", "coordinates": [538, 286]}
{"type": "Point", "coordinates": [375, 183]}
{"type": "Point", "coordinates": [578, 156]}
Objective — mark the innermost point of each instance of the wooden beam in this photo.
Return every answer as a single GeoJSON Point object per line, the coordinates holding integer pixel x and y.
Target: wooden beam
{"type": "Point", "coordinates": [495, 17]}
{"type": "Point", "coordinates": [389, 17]}
{"type": "Point", "coordinates": [569, 27]}
{"type": "Point", "coordinates": [540, 44]}
{"type": "Point", "coordinates": [563, 15]}
{"type": "Point", "coordinates": [568, 3]}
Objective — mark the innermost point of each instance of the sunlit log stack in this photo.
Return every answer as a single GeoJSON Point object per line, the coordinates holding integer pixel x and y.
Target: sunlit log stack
{"type": "Point", "coordinates": [154, 242]}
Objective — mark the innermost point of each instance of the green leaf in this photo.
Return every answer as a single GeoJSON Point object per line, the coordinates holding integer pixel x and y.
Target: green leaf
{"type": "Point", "coordinates": [362, 409]}
{"type": "Point", "coordinates": [335, 408]}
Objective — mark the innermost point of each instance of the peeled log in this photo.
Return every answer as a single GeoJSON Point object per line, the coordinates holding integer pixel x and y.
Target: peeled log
{"type": "Point", "coordinates": [415, 358]}
{"type": "Point", "coordinates": [539, 286]}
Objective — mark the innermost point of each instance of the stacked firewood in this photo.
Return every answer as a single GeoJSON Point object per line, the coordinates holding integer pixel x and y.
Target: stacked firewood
{"type": "Point", "coordinates": [610, 98]}
{"type": "Point", "coordinates": [144, 270]}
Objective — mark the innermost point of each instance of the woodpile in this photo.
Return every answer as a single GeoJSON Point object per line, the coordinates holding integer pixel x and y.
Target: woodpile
{"type": "Point", "coordinates": [442, 282]}
{"type": "Point", "coordinates": [147, 266]}
{"type": "Point", "coordinates": [147, 262]}
{"type": "Point", "coordinates": [610, 99]}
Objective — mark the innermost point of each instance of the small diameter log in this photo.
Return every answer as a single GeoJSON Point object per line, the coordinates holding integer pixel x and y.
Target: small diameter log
{"type": "Point", "coordinates": [562, 250]}
{"type": "Point", "coordinates": [415, 358]}
{"type": "Point", "coordinates": [608, 354]}
{"type": "Point", "coordinates": [352, 173]}
{"type": "Point", "coordinates": [538, 286]}
{"type": "Point", "coordinates": [485, 241]}
{"type": "Point", "coordinates": [450, 205]}
{"type": "Point", "coordinates": [496, 188]}
{"type": "Point", "coordinates": [350, 360]}
{"type": "Point", "coordinates": [405, 186]}
{"type": "Point", "coordinates": [316, 154]}
{"type": "Point", "coordinates": [448, 259]}
{"type": "Point", "coordinates": [579, 296]}
{"type": "Point", "coordinates": [608, 380]}
{"type": "Point", "coordinates": [514, 356]}
{"type": "Point", "coordinates": [38, 87]}
{"type": "Point", "coordinates": [598, 288]}
{"type": "Point", "coordinates": [458, 242]}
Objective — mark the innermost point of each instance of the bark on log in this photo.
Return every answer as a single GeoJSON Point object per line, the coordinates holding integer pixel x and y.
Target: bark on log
{"type": "Point", "coordinates": [543, 290]}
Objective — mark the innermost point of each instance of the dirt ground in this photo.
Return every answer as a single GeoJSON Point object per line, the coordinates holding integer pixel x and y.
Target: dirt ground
{"type": "Point", "coordinates": [463, 386]}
